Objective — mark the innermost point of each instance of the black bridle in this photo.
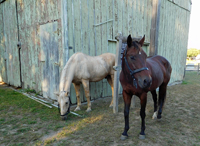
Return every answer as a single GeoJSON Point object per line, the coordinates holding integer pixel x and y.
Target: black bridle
{"type": "Point", "coordinates": [68, 111]}
{"type": "Point", "coordinates": [132, 72]}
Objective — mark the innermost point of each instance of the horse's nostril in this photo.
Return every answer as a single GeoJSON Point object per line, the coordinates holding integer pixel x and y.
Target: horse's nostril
{"type": "Point", "coordinates": [146, 82]}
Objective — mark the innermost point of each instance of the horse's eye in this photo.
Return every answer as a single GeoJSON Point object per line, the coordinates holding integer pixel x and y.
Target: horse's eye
{"type": "Point", "coordinates": [67, 102]}
{"type": "Point", "coordinates": [132, 57]}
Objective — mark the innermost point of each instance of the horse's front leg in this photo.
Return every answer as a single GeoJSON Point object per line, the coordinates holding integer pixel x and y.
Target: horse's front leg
{"type": "Point", "coordinates": [127, 103]}
{"type": "Point", "coordinates": [86, 87]}
{"type": "Point", "coordinates": [154, 96]}
{"type": "Point", "coordinates": [77, 89]}
{"type": "Point", "coordinates": [143, 101]}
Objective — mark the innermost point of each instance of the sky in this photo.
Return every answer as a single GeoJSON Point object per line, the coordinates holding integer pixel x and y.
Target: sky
{"type": "Point", "coordinates": [194, 30]}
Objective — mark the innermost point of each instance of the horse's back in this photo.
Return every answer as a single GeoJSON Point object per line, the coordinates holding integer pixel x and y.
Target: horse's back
{"type": "Point", "coordinates": [92, 68]}
{"type": "Point", "coordinates": [160, 67]}
{"type": "Point", "coordinates": [163, 61]}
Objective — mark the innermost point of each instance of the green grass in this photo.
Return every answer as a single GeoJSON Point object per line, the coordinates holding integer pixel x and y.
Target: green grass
{"type": "Point", "coordinates": [24, 121]}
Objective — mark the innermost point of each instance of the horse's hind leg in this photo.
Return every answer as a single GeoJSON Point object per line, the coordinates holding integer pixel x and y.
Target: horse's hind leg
{"type": "Point", "coordinates": [77, 89]}
{"type": "Point", "coordinates": [87, 93]}
{"type": "Point", "coordinates": [154, 96]}
{"type": "Point", "coordinates": [161, 100]}
{"type": "Point", "coordinates": [110, 80]}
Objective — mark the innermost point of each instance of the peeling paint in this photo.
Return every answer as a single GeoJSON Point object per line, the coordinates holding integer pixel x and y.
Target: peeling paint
{"type": "Point", "coordinates": [48, 52]}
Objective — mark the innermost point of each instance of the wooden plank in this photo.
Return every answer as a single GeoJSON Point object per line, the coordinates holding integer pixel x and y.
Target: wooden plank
{"type": "Point", "coordinates": [116, 74]}
{"type": "Point", "coordinates": [91, 29]}
{"type": "Point", "coordinates": [104, 42]}
{"type": "Point", "coordinates": [115, 19]}
{"type": "Point", "coordinates": [77, 26]}
{"type": "Point", "coordinates": [70, 22]}
{"type": "Point", "coordinates": [49, 45]}
{"type": "Point", "coordinates": [98, 18]}
{"type": "Point", "coordinates": [130, 16]}
{"type": "Point", "coordinates": [85, 34]}
{"type": "Point", "coordinates": [2, 49]}
{"type": "Point", "coordinates": [125, 18]}
{"type": "Point", "coordinates": [11, 40]}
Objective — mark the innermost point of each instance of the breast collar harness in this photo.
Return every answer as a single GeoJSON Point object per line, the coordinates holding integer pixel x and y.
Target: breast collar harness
{"type": "Point", "coordinates": [132, 72]}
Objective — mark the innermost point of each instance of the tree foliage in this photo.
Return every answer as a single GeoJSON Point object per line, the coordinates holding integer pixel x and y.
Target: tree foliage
{"type": "Point", "coordinates": [192, 52]}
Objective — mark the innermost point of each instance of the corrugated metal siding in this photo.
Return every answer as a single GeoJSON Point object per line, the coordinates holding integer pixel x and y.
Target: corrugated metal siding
{"type": "Point", "coordinates": [173, 37]}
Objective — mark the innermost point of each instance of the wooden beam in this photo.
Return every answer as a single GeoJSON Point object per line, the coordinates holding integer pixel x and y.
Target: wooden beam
{"type": "Point", "coordinates": [153, 27]}
{"type": "Point", "coordinates": [117, 72]}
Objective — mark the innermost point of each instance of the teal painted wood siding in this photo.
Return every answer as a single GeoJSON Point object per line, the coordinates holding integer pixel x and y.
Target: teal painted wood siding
{"type": "Point", "coordinates": [9, 40]}
{"type": "Point", "coordinates": [2, 50]}
{"type": "Point", "coordinates": [173, 35]}
{"type": "Point", "coordinates": [87, 26]}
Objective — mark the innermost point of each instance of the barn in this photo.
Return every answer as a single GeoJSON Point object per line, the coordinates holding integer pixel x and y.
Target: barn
{"type": "Point", "coordinates": [39, 36]}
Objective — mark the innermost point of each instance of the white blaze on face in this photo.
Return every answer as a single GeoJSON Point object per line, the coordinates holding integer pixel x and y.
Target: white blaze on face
{"type": "Point", "coordinates": [61, 107]}
{"type": "Point", "coordinates": [64, 104]}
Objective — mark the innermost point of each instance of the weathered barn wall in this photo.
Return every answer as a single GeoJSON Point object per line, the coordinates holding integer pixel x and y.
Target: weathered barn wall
{"type": "Point", "coordinates": [40, 36]}
{"type": "Point", "coordinates": [2, 49]}
{"type": "Point", "coordinates": [9, 40]}
{"type": "Point", "coordinates": [52, 31]}
{"type": "Point", "coordinates": [92, 26]}
{"type": "Point", "coordinates": [173, 35]}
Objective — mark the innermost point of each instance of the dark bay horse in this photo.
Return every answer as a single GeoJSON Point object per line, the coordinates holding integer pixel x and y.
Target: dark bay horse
{"type": "Point", "coordinates": [138, 76]}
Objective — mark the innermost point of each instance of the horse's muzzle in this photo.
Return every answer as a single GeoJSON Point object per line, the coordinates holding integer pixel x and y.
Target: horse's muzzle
{"type": "Point", "coordinates": [147, 83]}
{"type": "Point", "coordinates": [63, 117]}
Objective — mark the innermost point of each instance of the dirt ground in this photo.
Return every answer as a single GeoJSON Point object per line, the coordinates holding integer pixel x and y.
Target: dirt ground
{"type": "Point", "coordinates": [180, 124]}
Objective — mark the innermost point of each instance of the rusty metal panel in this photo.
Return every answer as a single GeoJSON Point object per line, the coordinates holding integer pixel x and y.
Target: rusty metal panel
{"type": "Point", "coordinates": [11, 40]}
{"type": "Point", "coordinates": [50, 59]}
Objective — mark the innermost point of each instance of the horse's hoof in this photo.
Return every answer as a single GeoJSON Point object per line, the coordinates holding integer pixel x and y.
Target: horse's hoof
{"type": "Point", "coordinates": [123, 137]}
{"type": "Point", "coordinates": [88, 110]}
{"type": "Point", "coordinates": [77, 109]}
{"type": "Point", "coordinates": [142, 136]}
{"type": "Point", "coordinates": [159, 117]}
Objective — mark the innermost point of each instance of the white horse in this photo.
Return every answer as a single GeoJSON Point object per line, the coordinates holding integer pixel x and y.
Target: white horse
{"type": "Point", "coordinates": [82, 68]}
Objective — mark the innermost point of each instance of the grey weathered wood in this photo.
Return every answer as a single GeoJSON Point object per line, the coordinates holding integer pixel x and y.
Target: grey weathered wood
{"type": "Point", "coordinates": [49, 45]}
{"type": "Point", "coordinates": [133, 17]}
{"type": "Point", "coordinates": [153, 27]}
{"type": "Point", "coordinates": [11, 40]}
{"type": "Point", "coordinates": [116, 74]}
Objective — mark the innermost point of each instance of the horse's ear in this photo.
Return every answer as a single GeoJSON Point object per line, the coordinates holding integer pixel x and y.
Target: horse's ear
{"type": "Point", "coordinates": [129, 41]}
{"type": "Point", "coordinates": [56, 93]}
{"type": "Point", "coordinates": [141, 42]}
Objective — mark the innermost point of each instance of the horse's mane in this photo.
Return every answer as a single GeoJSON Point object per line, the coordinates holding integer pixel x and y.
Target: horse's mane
{"type": "Point", "coordinates": [64, 73]}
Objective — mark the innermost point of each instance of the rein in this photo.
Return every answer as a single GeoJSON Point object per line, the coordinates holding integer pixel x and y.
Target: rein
{"type": "Point", "coordinates": [132, 72]}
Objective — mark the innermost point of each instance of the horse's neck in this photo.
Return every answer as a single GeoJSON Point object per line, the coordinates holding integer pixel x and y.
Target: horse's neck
{"type": "Point", "coordinates": [66, 79]}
